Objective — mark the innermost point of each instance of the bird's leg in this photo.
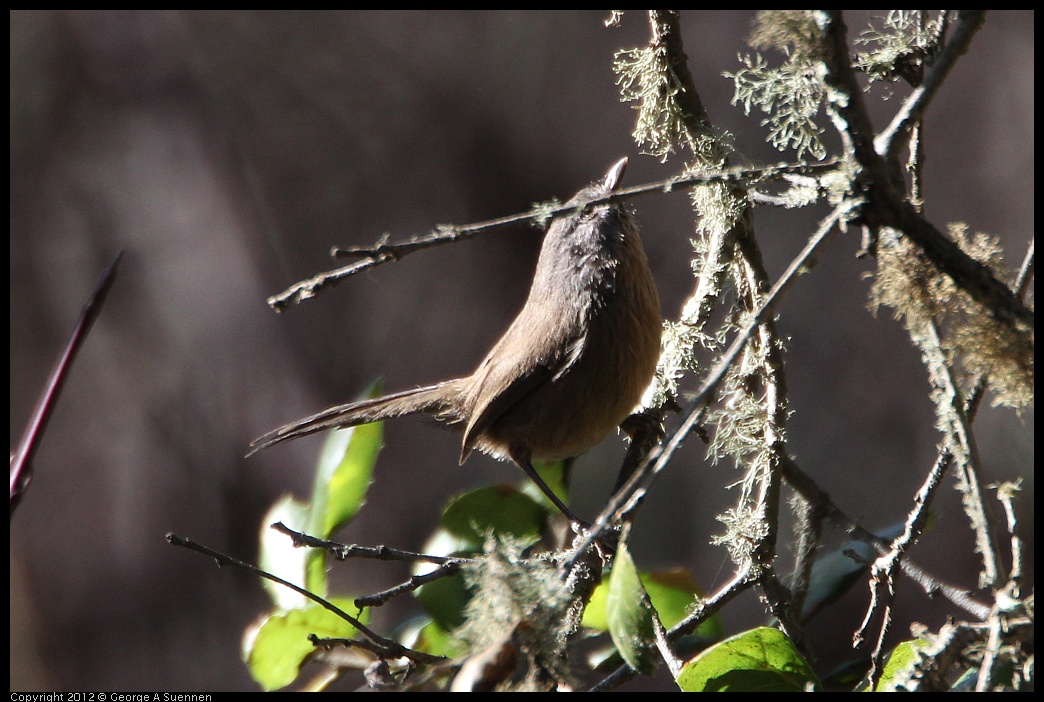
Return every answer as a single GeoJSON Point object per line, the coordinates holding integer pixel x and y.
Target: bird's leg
{"type": "Point", "coordinates": [527, 466]}
{"type": "Point", "coordinates": [645, 430]}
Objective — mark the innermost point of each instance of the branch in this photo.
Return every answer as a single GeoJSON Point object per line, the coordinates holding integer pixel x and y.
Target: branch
{"type": "Point", "coordinates": [384, 252]}
{"type": "Point", "coordinates": [1006, 494]}
{"type": "Point", "coordinates": [704, 609]}
{"type": "Point", "coordinates": [22, 460]}
{"type": "Point", "coordinates": [377, 599]}
{"type": "Point", "coordinates": [634, 490]}
{"type": "Point", "coordinates": [1007, 598]}
{"type": "Point", "coordinates": [800, 482]}
{"type": "Point", "coordinates": [734, 226]}
{"type": "Point", "coordinates": [389, 648]}
{"type": "Point", "coordinates": [344, 551]}
{"type": "Point", "coordinates": [446, 565]}
{"type": "Point", "coordinates": [889, 142]}
{"type": "Point", "coordinates": [666, 30]}
{"type": "Point", "coordinates": [886, 568]}
{"type": "Point", "coordinates": [881, 181]}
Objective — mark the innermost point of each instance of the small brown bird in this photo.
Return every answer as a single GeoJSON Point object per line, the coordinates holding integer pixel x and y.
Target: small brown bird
{"type": "Point", "coordinates": [572, 365]}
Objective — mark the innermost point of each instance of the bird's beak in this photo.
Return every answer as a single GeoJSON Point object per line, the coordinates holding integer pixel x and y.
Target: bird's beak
{"type": "Point", "coordinates": [615, 175]}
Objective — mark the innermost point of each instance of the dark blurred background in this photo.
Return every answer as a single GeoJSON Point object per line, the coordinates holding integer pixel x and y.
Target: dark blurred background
{"type": "Point", "coordinates": [226, 152]}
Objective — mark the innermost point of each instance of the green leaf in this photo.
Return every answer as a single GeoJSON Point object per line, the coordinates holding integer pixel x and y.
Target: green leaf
{"type": "Point", "coordinates": [499, 509]}
{"type": "Point", "coordinates": [759, 660]}
{"type": "Point", "coordinates": [277, 647]}
{"type": "Point", "coordinates": [629, 614]}
{"type": "Point", "coordinates": [672, 593]}
{"type": "Point", "coordinates": [594, 614]}
{"type": "Point", "coordinates": [342, 478]}
{"type": "Point", "coordinates": [466, 522]}
{"type": "Point", "coordinates": [344, 474]}
{"type": "Point", "coordinates": [444, 599]}
{"type": "Point", "coordinates": [278, 556]}
{"type": "Point", "coordinates": [899, 666]}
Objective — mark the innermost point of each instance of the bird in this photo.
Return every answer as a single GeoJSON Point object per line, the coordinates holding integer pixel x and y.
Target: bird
{"type": "Point", "coordinates": [572, 365]}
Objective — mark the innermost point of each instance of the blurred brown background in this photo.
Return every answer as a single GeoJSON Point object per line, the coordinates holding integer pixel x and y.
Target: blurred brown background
{"type": "Point", "coordinates": [226, 153]}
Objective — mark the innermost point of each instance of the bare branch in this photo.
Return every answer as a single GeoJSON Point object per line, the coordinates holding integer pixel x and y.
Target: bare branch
{"type": "Point", "coordinates": [344, 551]}
{"type": "Point", "coordinates": [22, 459]}
{"type": "Point", "coordinates": [889, 142]}
{"type": "Point", "coordinates": [384, 252]}
{"type": "Point", "coordinates": [389, 648]}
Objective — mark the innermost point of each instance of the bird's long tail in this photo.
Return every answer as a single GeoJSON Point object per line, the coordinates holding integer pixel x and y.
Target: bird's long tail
{"type": "Point", "coordinates": [437, 401]}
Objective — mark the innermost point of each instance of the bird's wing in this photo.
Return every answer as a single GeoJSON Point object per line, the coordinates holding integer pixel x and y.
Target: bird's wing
{"type": "Point", "coordinates": [519, 379]}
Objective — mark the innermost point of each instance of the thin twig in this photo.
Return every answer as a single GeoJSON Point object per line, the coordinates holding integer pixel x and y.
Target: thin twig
{"type": "Point", "coordinates": [446, 565]}
{"type": "Point", "coordinates": [886, 581]}
{"type": "Point", "coordinates": [889, 142]}
{"type": "Point", "coordinates": [663, 645]}
{"type": "Point", "coordinates": [960, 440]}
{"type": "Point", "coordinates": [22, 460]}
{"type": "Point", "coordinates": [1006, 494]}
{"type": "Point", "coordinates": [886, 568]}
{"type": "Point", "coordinates": [377, 599]}
{"type": "Point", "coordinates": [391, 649]}
{"type": "Point", "coordinates": [1025, 273]}
{"type": "Point", "coordinates": [990, 653]}
{"type": "Point", "coordinates": [385, 252]}
{"type": "Point", "coordinates": [880, 179]}
{"type": "Point", "coordinates": [380, 553]}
